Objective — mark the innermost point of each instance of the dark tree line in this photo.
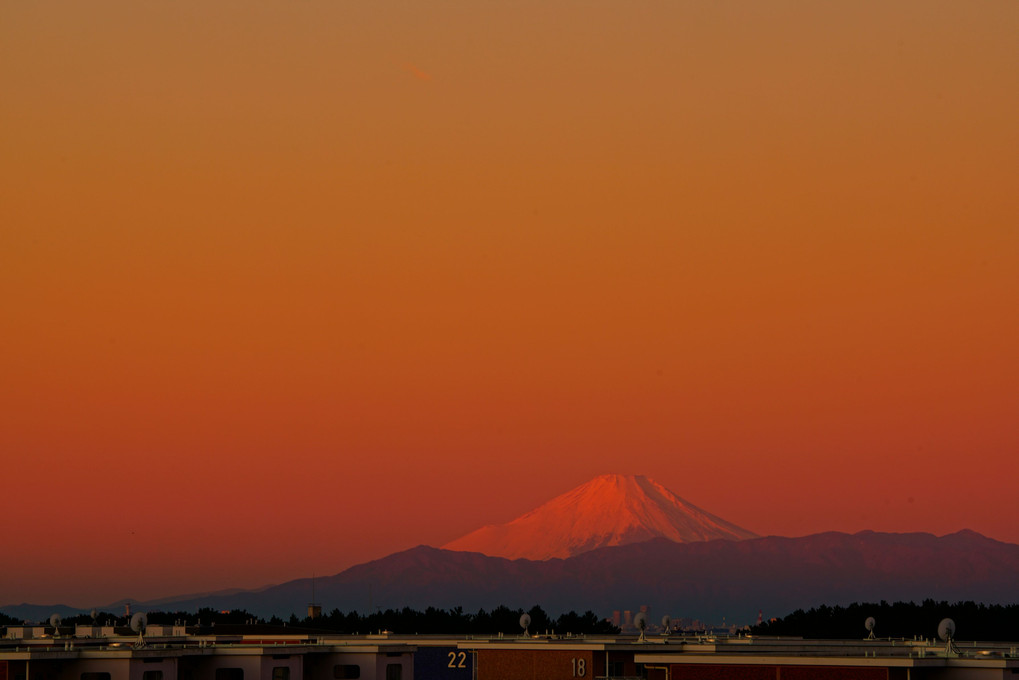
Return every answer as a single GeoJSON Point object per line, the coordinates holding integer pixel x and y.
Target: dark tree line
{"type": "Point", "coordinates": [456, 621]}
{"type": "Point", "coordinates": [899, 620]}
{"type": "Point", "coordinates": [405, 621]}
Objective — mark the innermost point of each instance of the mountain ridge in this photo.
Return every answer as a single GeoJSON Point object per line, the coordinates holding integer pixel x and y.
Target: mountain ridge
{"type": "Point", "coordinates": [708, 580]}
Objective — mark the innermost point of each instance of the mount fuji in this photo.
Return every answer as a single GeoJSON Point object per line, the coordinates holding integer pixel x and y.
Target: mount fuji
{"type": "Point", "coordinates": [627, 541]}
{"type": "Point", "coordinates": [609, 510]}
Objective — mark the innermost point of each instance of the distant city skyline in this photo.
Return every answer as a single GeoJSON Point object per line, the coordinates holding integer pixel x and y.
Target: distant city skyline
{"type": "Point", "coordinates": [292, 286]}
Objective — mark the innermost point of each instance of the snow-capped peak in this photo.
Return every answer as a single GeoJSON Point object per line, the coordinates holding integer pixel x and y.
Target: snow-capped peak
{"type": "Point", "coordinates": [608, 510]}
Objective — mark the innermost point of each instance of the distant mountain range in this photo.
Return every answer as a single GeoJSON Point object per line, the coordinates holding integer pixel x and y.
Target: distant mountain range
{"type": "Point", "coordinates": [631, 542]}
{"type": "Point", "coordinates": [708, 580]}
{"type": "Point", "coordinates": [608, 510]}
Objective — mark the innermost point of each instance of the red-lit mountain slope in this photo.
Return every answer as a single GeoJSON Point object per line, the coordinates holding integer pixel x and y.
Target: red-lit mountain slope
{"type": "Point", "coordinates": [608, 510]}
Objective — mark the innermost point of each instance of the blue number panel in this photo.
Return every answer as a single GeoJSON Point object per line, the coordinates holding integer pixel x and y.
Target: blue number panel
{"type": "Point", "coordinates": [443, 663]}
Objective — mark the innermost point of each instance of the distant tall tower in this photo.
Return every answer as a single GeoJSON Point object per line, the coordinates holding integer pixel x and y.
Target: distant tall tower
{"type": "Point", "coordinates": [760, 617]}
{"type": "Point", "coordinates": [314, 609]}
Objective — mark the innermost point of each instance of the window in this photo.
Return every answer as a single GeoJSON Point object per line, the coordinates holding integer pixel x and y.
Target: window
{"type": "Point", "coordinates": [394, 671]}
{"type": "Point", "coordinates": [94, 676]}
{"type": "Point", "coordinates": [615, 669]}
{"type": "Point", "coordinates": [281, 673]}
{"type": "Point", "coordinates": [229, 674]}
{"type": "Point", "coordinates": [152, 675]}
{"type": "Point", "coordinates": [347, 671]}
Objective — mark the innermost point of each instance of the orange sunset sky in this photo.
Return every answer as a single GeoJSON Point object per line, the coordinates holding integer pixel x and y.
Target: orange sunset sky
{"type": "Point", "coordinates": [287, 286]}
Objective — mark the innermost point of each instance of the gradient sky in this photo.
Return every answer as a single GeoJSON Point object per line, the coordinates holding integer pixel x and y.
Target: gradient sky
{"type": "Point", "coordinates": [292, 285]}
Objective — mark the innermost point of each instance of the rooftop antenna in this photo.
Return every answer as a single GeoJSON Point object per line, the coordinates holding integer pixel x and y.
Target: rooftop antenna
{"type": "Point", "coordinates": [869, 625]}
{"type": "Point", "coordinates": [55, 621]}
{"type": "Point", "coordinates": [666, 625]}
{"type": "Point", "coordinates": [525, 621]}
{"type": "Point", "coordinates": [139, 621]}
{"type": "Point", "coordinates": [640, 620]}
{"type": "Point", "coordinates": [946, 631]}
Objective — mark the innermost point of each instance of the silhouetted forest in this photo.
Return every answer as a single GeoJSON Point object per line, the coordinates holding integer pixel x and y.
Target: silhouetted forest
{"type": "Point", "coordinates": [456, 621]}
{"type": "Point", "coordinates": [899, 620]}
{"type": "Point", "coordinates": [406, 621]}
{"type": "Point", "coordinates": [896, 620]}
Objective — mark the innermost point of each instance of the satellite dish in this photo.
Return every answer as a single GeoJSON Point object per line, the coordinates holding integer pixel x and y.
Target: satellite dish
{"type": "Point", "coordinates": [525, 621]}
{"type": "Point", "coordinates": [138, 623]}
{"type": "Point", "coordinates": [869, 625]}
{"type": "Point", "coordinates": [666, 625]}
{"type": "Point", "coordinates": [640, 621]}
{"type": "Point", "coordinates": [946, 631]}
{"type": "Point", "coordinates": [55, 621]}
